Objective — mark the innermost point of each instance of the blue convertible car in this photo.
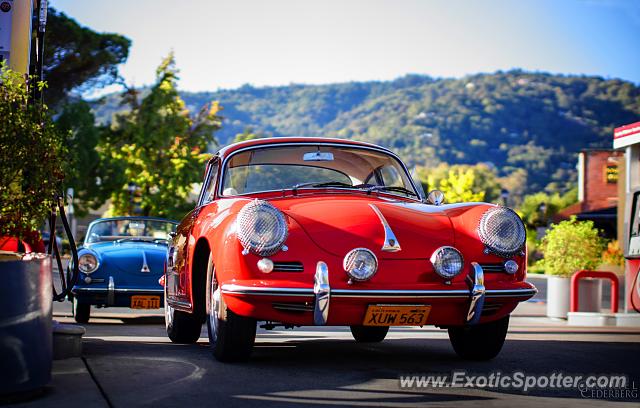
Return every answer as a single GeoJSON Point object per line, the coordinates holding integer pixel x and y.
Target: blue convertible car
{"type": "Point", "coordinates": [120, 263]}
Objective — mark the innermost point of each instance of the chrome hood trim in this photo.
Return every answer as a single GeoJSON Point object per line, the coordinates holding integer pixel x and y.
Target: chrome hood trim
{"type": "Point", "coordinates": [391, 243]}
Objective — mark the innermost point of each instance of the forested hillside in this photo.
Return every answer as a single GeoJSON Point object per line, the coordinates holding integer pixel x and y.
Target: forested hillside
{"type": "Point", "coordinates": [529, 126]}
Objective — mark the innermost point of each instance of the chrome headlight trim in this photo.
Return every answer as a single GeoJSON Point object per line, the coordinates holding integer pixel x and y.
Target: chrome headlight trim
{"type": "Point", "coordinates": [261, 228]}
{"type": "Point", "coordinates": [355, 261]}
{"type": "Point", "coordinates": [447, 261]}
{"type": "Point", "coordinates": [88, 263]}
{"type": "Point", "coordinates": [502, 232]}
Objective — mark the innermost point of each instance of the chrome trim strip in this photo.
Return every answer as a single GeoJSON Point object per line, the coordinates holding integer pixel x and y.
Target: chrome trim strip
{"type": "Point", "coordinates": [179, 304]}
{"type": "Point", "coordinates": [335, 144]}
{"type": "Point", "coordinates": [322, 292]}
{"type": "Point", "coordinates": [477, 295]}
{"type": "Point", "coordinates": [111, 291]}
{"type": "Point", "coordinates": [391, 243]}
{"type": "Point", "coordinates": [119, 290]}
{"type": "Point", "coordinates": [234, 289]}
{"type": "Point", "coordinates": [407, 294]}
{"type": "Point", "coordinates": [497, 293]}
{"type": "Point", "coordinates": [145, 267]}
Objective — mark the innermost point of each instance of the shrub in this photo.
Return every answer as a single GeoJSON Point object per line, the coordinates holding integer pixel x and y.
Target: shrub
{"type": "Point", "coordinates": [570, 246]}
{"type": "Point", "coordinates": [30, 153]}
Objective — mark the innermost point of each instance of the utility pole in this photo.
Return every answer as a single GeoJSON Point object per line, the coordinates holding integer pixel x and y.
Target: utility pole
{"type": "Point", "coordinates": [22, 29]}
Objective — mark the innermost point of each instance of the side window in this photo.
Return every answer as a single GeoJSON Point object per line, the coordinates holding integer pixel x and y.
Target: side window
{"type": "Point", "coordinates": [210, 184]}
{"type": "Point", "coordinates": [391, 177]}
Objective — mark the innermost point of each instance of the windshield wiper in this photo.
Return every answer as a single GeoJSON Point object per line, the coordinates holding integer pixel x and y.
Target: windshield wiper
{"type": "Point", "coordinates": [392, 188]}
{"type": "Point", "coordinates": [321, 184]}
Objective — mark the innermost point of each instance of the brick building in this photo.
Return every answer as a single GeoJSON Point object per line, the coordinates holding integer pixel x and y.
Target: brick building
{"type": "Point", "coordinates": [598, 173]}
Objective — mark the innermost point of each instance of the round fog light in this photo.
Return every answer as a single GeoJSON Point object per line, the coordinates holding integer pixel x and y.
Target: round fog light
{"type": "Point", "coordinates": [265, 265]}
{"type": "Point", "coordinates": [447, 262]}
{"type": "Point", "coordinates": [360, 264]}
{"type": "Point", "coordinates": [87, 280]}
{"type": "Point", "coordinates": [511, 266]}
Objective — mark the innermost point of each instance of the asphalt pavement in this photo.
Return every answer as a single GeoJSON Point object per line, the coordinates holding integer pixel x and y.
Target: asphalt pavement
{"type": "Point", "coordinates": [128, 361]}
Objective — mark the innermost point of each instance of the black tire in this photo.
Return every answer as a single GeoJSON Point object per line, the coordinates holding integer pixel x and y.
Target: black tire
{"type": "Point", "coordinates": [369, 334]}
{"type": "Point", "coordinates": [479, 342]}
{"type": "Point", "coordinates": [81, 311]}
{"type": "Point", "coordinates": [182, 327]}
{"type": "Point", "coordinates": [231, 336]}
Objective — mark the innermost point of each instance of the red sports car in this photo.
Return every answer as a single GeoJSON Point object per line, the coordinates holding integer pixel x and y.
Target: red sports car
{"type": "Point", "coordinates": [316, 231]}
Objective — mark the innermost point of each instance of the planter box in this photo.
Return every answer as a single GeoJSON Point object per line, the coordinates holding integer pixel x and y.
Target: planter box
{"type": "Point", "coordinates": [559, 295]}
{"type": "Point", "coordinates": [25, 323]}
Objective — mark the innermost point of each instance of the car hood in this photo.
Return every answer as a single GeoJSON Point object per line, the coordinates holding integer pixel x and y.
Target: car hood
{"type": "Point", "coordinates": [339, 225]}
{"type": "Point", "coordinates": [131, 257]}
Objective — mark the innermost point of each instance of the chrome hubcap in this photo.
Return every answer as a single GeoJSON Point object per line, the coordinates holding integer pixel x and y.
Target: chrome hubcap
{"type": "Point", "coordinates": [214, 310]}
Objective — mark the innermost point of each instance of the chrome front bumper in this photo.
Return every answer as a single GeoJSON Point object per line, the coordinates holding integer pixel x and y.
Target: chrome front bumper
{"type": "Point", "coordinates": [111, 291]}
{"type": "Point", "coordinates": [322, 293]}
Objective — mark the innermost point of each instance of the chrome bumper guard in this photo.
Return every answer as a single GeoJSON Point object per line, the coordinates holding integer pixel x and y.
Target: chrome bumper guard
{"type": "Point", "coordinates": [477, 294]}
{"type": "Point", "coordinates": [322, 292]}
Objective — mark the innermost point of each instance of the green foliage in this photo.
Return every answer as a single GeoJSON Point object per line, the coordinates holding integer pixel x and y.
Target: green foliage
{"type": "Point", "coordinates": [30, 152]}
{"type": "Point", "coordinates": [246, 135]}
{"type": "Point", "coordinates": [92, 176]}
{"type": "Point", "coordinates": [77, 57]}
{"type": "Point", "coordinates": [160, 147]}
{"type": "Point", "coordinates": [613, 254]}
{"type": "Point", "coordinates": [537, 209]}
{"type": "Point", "coordinates": [461, 183]}
{"type": "Point", "coordinates": [570, 246]}
{"type": "Point", "coordinates": [529, 125]}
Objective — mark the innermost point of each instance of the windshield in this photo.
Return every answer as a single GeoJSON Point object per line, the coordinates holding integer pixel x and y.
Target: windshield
{"type": "Point", "coordinates": [307, 166]}
{"type": "Point", "coordinates": [129, 229]}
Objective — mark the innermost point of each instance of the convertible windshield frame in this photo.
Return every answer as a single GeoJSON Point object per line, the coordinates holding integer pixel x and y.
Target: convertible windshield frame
{"type": "Point", "coordinates": [113, 238]}
{"type": "Point", "coordinates": [223, 169]}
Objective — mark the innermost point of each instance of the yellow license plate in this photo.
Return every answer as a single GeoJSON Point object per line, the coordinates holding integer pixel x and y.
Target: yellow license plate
{"type": "Point", "coordinates": [392, 315]}
{"type": "Point", "coordinates": [145, 302]}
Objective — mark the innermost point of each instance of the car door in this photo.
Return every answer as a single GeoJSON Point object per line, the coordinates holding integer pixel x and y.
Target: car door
{"type": "Point", "coordinates": [178, 259]}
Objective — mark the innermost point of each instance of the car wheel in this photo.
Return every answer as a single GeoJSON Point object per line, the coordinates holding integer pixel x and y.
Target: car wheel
{"type": "Point", "coordinates": [479, 342]}
{"type": "Point", "coordinates": [231, 336]}
{"type": "Point", "coordinates": [369, 334]}
{"type": "Point", "coordinates": [81, 311]}
{"type": "Point", "coordinates": [182, 327]}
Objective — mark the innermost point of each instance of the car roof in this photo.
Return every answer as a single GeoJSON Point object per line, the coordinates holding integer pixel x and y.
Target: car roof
{"type": "Point", "coordinates": [227, 150]}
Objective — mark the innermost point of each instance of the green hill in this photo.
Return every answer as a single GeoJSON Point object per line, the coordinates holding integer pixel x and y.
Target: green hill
{"type": "Point", "coordinates": [509, 120]}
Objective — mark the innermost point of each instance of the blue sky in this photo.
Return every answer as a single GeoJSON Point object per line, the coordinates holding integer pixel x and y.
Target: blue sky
{"type": "Point", "coordinates": [225, 44]}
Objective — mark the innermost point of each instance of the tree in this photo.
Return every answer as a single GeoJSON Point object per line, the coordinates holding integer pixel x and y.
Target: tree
{"type": "Point", "coordinates": [462, 183]}
{"type": "Point", "coordinates": [160, 148]}
{"type": "Point", "coordinates": [92, 176]}
{"type": "Point", "coordinates": [246, 135]}
{"type": "Point", "coordinates": [537, 209]}
{"type": "Point", "coordinates": [78, 58]}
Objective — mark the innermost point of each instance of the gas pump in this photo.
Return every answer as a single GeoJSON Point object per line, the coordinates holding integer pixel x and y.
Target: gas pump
{"type": "Point", "coordinates": [628, 137]}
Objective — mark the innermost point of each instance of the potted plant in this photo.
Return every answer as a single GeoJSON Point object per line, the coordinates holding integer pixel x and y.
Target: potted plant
{"type": "Point", "coordinates": [30, 174]}
{"type": "Point", "coordinates": [568, 247]}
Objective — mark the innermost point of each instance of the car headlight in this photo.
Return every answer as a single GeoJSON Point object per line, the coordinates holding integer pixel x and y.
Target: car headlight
{"type": "Point", "coordinates": [360, 264]}
{"type": "Point", "coordinates": [261, 228]}
{"type": "Point", "coordinates": [447, 262]}
{"type": "Point", "coordinates": [502, 232]}
{"type": "Point", "coordinates": [88, 263]}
